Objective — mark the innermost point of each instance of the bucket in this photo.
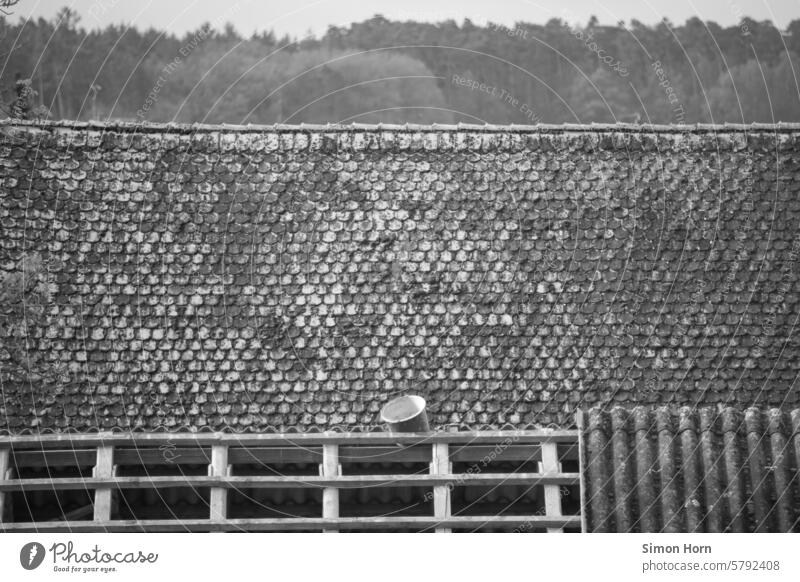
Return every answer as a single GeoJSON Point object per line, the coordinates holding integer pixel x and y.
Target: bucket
{"type": "Point", "coordinates": [406, 414]}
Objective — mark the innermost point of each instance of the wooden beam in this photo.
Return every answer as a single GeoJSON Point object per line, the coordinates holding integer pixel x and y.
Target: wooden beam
{"type": "Point", "coordinates": [330, 495]}
{"type": "Point", "coordinates": [54, 458]}
{"type": "Point", "coordinates": [475, 453]}
{"type": "Point", "coordinates": [4, 457]}
{"type": "Point", "coordinates": [281, 481]}
{"type": "Point", "coordinates": [289, 439]}
{"type": "Point", "coordinates": [219, 495]}
{"type": "Point", "coordinates": [514, 453]}
{"type": "Point", "coordinates": [552, 493]}
{"type": "Point", "coordinates": [293, 524]}
{"type": "Point", "coordinates": [151, 454]}
{"type": "Point", "coordinates": [384, 454]}
{"type": "Point", "coordinates": [164, 454]}
{"type": "Point", "coordinates": [580, 423]}
{"type": "Point", "coordinates": [104, 471]}
{"type": "Point", "coordinates": [267, 455]}
{"type": "Point", "coordinates": [441, 493]}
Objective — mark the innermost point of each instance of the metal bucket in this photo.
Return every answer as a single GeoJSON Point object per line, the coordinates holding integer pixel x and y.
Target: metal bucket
{"type": "Point", "coordinates": [406, 414]}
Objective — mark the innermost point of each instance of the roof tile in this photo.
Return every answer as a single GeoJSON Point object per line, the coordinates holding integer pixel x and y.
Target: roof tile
{"type": "Point", "coordinates": [305, 275]}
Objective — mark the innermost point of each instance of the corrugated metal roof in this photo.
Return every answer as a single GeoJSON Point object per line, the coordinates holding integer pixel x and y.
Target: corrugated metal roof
{"type": "Point", "coordinates": [691, 470]}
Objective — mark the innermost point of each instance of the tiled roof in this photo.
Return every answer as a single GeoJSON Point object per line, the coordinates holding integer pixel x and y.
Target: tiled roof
{"type": "Point", "coordinates": [294, 278]}
{"type": "Point", "coordinates": [695, 470]}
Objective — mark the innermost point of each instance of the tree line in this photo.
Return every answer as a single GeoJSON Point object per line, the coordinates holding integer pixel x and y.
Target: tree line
{"type": "Point", "coordinates": [397, 72]}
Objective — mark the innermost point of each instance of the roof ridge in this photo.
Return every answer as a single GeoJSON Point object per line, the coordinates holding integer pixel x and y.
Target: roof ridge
{"type": "Point", "coordinates": [148, 127]}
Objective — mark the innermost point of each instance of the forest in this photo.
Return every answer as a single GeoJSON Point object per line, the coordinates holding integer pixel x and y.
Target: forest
{"type": "Point", "coordinates": [406, 72]}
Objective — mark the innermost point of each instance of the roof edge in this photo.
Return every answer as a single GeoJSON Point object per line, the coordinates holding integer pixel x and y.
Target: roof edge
{"type": "Point", "coordinates": [185, 128]}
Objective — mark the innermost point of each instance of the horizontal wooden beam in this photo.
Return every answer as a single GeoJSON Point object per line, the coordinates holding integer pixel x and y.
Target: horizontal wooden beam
{"type": "Point", "coordinates": [255, 455]}
{"type": "Point", "coordinates": [54, 458]}
{"type": "Point", "coordinates": [172, 455]}
{"type": "Point", "coordinates": [515, 452]}
{"type": "Point", "coordinates": [384, 454]}
{"type": "Point", "coordinates": [86, 457]}
{"type": "Point", "coordinates": [304, 439]}
{"type": "Point", "coordinates": [494, 453]}
{"type": "Point", "coordinates": [292, 482]}
{"type": "Point", "coordinates": [166, 455]}
{"type": "Point", "coordinates": [525, 523]}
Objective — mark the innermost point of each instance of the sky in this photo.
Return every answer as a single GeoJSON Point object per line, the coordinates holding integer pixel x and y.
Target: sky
{"type": "Point", "coordinates": [298, 17]}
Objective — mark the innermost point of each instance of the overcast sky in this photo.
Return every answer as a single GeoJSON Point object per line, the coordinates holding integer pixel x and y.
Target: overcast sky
{"type": "Point", "coordinates": [296, 17]}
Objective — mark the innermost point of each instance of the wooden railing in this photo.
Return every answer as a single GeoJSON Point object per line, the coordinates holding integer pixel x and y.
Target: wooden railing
{"type": "Point", "coordinates": [474, 453]}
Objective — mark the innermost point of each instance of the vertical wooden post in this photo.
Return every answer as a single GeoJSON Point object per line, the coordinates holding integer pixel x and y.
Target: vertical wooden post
{"type": "Point", "coordinates": [330, 495]}
{"type": "Point", "coordinates": [552, 493]}
{"type": "Point", "coordinates": [440, 465]}
{"type": "Point", "coordinates": [103, 468]}
{"type": "Point", "coordinates": [580, 422]}
{"type": "Point", "coordinates": [4, 456]}
{"type": "Point", "coordinates": [219, 495]}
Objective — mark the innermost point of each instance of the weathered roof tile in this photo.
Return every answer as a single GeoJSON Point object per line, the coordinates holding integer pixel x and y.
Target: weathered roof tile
{"type": "Point", "coordinates": [289, 269]}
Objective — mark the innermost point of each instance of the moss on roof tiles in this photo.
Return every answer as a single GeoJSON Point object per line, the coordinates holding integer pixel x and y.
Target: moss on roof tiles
{"type": "Point", "coordinates": [296, 277]}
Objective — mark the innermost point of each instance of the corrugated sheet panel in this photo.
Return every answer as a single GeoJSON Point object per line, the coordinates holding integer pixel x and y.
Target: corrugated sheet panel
{"type": "Point", "coordinates": [691, 470]}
